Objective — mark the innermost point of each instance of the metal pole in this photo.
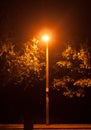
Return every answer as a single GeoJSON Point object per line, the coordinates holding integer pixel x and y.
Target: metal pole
{"type": "Point", "coordinates": [47, 85]}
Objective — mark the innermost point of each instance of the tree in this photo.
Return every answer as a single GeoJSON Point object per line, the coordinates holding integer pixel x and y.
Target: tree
{"type": "Point", "coordinates": [21, 68]}
{"type": "Point", "coordinates": [73, 72]}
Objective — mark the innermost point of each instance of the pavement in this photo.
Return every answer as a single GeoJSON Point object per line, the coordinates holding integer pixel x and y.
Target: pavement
{"type": "Point", "coordinates": [47, 127]}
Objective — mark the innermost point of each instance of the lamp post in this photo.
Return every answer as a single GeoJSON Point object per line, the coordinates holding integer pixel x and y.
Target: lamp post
{"type": "Point", "coordinates": [45, 38]}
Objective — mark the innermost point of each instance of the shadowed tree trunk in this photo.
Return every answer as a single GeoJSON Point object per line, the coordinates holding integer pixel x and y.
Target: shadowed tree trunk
{"type": "Point", "coordinates": [28, 110]}
{"type": "Point", "coordinates": [28, 123]}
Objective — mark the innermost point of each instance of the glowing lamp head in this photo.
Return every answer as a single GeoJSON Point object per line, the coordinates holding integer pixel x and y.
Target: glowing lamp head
{"type": "Point", "coordinates": [45, 38]}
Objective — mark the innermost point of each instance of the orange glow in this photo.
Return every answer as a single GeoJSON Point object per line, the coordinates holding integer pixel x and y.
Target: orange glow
{"type": "Point", "coordinates": [45, 38]}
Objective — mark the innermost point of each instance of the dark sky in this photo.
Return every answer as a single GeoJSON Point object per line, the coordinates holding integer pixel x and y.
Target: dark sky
{"type": "Point", "coordinates": [66, 20]}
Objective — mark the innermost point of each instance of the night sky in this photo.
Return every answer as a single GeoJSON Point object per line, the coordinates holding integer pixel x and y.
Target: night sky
{"type": "Point", "coordinates": [68, 21]}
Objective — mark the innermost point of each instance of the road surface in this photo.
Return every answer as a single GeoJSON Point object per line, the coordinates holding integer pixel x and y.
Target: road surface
{"type": "Point", "coordinates": [47, 127]}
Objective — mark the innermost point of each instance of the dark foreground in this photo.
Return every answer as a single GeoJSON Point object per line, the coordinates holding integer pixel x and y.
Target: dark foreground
{"type": "Point", "coordinates": [47, 127]}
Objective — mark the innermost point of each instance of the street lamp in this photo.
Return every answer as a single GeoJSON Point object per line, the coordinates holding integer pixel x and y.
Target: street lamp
{"type": "Point", "coordinates": [45, 38]}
